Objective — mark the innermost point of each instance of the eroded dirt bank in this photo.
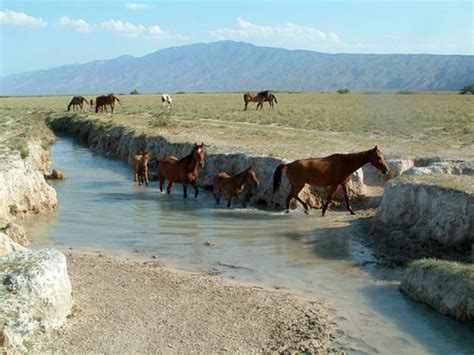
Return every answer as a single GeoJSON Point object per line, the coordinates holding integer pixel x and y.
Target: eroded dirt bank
{"type": "Point", "coordinates": [123, 143]}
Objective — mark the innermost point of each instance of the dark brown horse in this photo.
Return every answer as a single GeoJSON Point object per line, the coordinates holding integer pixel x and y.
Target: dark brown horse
{"type": "Point", "coordinates": [260, 97]}
{"type": "Point", "coordinates": [183, 171]}
{"type": "Point", "coordinates": [76, 101]}
{"type": "Point", "coordinates": [331, 171]}
{"type": "Point", "coordinates": [233, 185]}
{"type": "Point", "coordinates": [140, 166]}
{"type": "Point", "coordinates": [101, 102]}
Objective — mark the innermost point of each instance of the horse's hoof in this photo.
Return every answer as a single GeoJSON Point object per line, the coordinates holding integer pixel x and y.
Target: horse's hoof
{"type": "Point", "coordinates": [287, 211]}
{"type": "Point", "coordinates": [352, 212]}
{"type": "Point", "coordinates": [306, 212]}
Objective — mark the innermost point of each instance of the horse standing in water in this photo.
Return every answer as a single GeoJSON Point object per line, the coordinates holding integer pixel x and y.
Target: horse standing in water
{"type": "Point", "coordinates": [261, 97]}
{"type": "Point", "coordinates": [140, 166]}
{"type": "Point", "coordinates": [76, 101]}
{"type": "Point", "coordinates": [183, 171]}
{"type": "Point", "coordinates": [233, 186]}
{"type": "Point", "coordinates": [333, 171]}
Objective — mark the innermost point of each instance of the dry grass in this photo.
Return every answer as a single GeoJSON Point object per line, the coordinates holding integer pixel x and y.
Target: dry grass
{"type": "Point", "coordinates": [302, 125]}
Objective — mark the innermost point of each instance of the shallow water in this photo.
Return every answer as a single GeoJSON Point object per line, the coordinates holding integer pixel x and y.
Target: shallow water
{"type": "Point", "coordinates": [101, 209]}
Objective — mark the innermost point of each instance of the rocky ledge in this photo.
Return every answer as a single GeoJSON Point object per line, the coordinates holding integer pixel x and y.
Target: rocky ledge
{"type": "Point", "coordinates": [444, 285]}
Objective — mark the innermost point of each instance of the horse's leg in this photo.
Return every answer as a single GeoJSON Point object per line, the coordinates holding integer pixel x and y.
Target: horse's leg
{"type": "Point", "coordinates": [162, 182]}
{"type": "Point", "coordinates": [169, 189]}
{"type": "Point", "coordinates": [146, 179]}
{"type": "Point", "coordinates": [295, 190]}
{"type": "Point", "coordinates": [196, 191]}
{"type": "Point", "coordinates": [344, 188]}
{"type": "Point", "coordinates": [229, 200]}
{"type": "Point", "coordinates": [185, 190]}
{"type": "Point", "coordinates": [332, 192]}
{"type": "Point", "coordinates": [217, 195]}
{"type": "Point", "coordinates": [303, 203]}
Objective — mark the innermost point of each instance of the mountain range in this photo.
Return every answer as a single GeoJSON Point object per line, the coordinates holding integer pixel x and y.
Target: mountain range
{"type": "Point", "coordinates": [228, 66]}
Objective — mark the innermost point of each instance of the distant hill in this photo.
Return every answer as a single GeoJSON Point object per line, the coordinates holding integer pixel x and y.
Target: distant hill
{"type": "Point", "coordinates": [238, 66]}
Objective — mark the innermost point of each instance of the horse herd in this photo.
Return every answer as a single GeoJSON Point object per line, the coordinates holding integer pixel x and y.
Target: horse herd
{"type": "Point", "coordinates": [333, 170]}
{"type": "Point", "coordinates": [101, 102]}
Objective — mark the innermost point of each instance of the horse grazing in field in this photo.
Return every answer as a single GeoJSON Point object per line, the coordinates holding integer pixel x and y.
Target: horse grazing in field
{"type": "Point", "coordinates": [76, 101]}
{"type": "Point", "coordinates": [140, 167]}
{"type": "Point", "coordinates": [260, 97]}
{"type": "Point", "coordinates": [183, 171]}
{"type": "Point", "coordinates": [101, 102]}
{"type": "Point", "coordinates": [166, 100]}
{"type": "Point", "coordinates": [233, 185]}
{"type": "Point", "coordinates": [331, 171]}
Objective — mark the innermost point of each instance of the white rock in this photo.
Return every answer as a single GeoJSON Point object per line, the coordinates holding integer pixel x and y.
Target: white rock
{"type": "Point", "coordinates": [431, 211]}
{"type": "Point", "coordinates": [35, 296]}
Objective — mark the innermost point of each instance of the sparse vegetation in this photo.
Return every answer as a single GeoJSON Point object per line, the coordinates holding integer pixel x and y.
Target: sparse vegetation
{"type": "Point", "coordinates": [301, 125]}
{"type": "Point", "coordinates": [406, 92]}
{"type": "Point", "coordinates": [343, 91]}
{"type": "Point", "coordinates": [468, 89]}
{"type": "Point", "coordinates": [134, 92]}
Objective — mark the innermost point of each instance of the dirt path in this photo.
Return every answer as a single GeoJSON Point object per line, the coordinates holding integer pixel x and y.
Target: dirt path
{"type": "Point", "coordinates": [133, 307]}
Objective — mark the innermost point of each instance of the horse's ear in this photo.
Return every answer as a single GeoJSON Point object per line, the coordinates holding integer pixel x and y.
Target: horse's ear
{"type": "Point", "coordinates": [202, 144]}
{"type": "Point", "coordinates": [376, 147]}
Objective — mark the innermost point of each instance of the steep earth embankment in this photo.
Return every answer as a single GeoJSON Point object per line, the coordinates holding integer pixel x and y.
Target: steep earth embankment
{"type": "Point", "coordinates": [124, 143]}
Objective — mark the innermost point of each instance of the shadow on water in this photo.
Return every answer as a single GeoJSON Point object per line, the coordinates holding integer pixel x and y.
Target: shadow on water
{"type": "Point", "coordinates": [103, 209]}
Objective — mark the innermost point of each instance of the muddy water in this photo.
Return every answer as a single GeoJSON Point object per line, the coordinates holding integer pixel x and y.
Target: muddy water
{"type": "Point", "coordinates": [102, 210]}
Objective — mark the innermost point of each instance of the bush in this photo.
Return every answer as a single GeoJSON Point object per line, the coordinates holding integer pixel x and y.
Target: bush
{"type": "Point", "coordinates": [468, 89]}
{"type": "Point", "coordinates": [134, 92]}
{"type": "Point", "coordinates": [162, 119]}
{"type": "Point", "coordinates": [406, 92]}
{"type": "Point", "coordinates": [343, 91]}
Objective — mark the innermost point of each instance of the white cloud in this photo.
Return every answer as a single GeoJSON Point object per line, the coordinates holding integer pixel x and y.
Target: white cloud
{"type": "Point", "coordinates": [290, 32]}
{"type": "Point", "coordinates": [125, 28]}
{"type": "Point", "coordinates": [79, 25]}
{"type": "Point", "coordinates": [156, 31]}
{"type": "Point", "coordinates": [9, 17]}
{"type": "Point", "coordinates": [136, 6]}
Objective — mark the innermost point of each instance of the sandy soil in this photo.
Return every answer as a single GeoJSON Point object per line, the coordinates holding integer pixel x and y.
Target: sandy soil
{"type": "Point", "coordinates": [136, 307]}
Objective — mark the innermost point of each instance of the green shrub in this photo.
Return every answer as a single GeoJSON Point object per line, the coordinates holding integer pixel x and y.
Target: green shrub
{"type": "Point", "coordinates": [134, 92]}
{"type": "Point", "coordinates": [468, 89]}
{"type": "Point", "coordinates": [343, 91]}
{"type": "Point", "coordinates": [162, 119]}
{"type": "Point", "coordinates": [406, 92]}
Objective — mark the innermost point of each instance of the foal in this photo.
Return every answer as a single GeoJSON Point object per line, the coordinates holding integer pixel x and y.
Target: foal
{"type": "Point", "coordinates": [233, 185]}
{"type": "Point", "coordinates": [140, 166]}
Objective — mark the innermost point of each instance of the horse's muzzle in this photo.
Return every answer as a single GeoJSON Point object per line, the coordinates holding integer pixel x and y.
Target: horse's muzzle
{"type": "Point", "coordinates": [203, 164]}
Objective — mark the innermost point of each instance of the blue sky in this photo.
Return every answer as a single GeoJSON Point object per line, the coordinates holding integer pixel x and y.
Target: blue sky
{"type": "Point", "coordinates": [39, 34]}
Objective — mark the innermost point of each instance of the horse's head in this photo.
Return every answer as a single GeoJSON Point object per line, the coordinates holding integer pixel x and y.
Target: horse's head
{"type": "Point", "coordinates": [198, 153]}
{"type": "Point", "coordinates": [377, 160]}
{"type": "Point", "coordinates": [91, 102]}
{"type": "Point", "coordinates": [145, 158]}
{"type": "Point", "coordinates": [251, 176]}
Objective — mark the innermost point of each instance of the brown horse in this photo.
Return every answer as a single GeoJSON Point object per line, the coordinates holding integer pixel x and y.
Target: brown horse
{"type": "Point", "coordinates": [76, 101]}
{"type": "Point", "coordinates": [140, 166]}
{"type": "Point", "coordinates": [101, 102]}
{"type": "Point", "coordinates": [183, 171]}
{"type": "Point", "coordinates": [260, 97]}
{"type": "Point", "coordinates": [331, 171]}
{"type": "Point", "coordinates": [233, 185]}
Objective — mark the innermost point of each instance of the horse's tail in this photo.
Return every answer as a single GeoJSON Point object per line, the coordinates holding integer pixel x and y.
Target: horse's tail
{"type": "Point", "coordinates": [277, 176]}
{"type": "Point", "coordinates": [274, 98]}
{"type": "Point", "coordinates": [245, 98]}
{"type": "Point", "coordinates": [116, 98]}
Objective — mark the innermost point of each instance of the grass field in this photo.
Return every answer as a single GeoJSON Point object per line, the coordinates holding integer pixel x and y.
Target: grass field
{"type": "Point", "coordinates": [302, 125]}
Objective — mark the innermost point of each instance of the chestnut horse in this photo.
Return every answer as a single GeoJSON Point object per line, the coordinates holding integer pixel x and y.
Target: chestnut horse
{"type": "Point", "coordinates": [140, 167]}
{"type": "Point", "coordinates": [331, 171]}
{"type": "Point", "coordinates": [183, 171]}
{"type": "Point", "coordinates": [261, 97]}
{"type": "Point", "coordinates": [101, 102]}
{"type": "Point", "coordinates": [233, 185]}
{"type": "Point", "coordinates": [76, 101]}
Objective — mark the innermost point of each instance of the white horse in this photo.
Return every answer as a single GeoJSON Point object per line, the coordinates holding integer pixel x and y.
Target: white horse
{"type": "Point", "coordinates": [166, 100]}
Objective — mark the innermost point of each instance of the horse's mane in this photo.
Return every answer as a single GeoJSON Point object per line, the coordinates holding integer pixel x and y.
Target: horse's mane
{"type": "Point", "coordinates": [263, 93]}
{"type": "Point", "coordinates": [187, 159]}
